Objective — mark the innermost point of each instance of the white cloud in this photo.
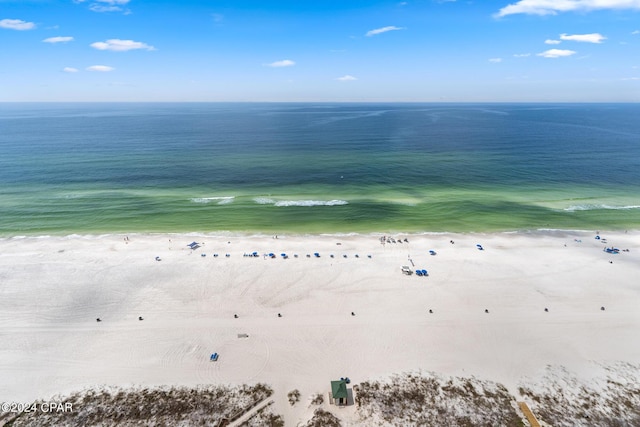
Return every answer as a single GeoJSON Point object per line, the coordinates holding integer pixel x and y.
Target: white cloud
{"type": "Point", "coordinates": [549, 41]}
{"type": "Point", "coordinates": [635, 32]}
{"type": "Point", "coordinates": [17, 24]}
{"type": "Point", "coordinates": [58, 39]}
{"type": "Point", "coordinates": [556, 53]}
{"type": "Point", "coordinates": [346, 78]}
{"type": "Point", "coordinates": [283, 63]}
{"type": "Point", "coordinates": [553, 7]}
{"type": "Point", "coordinates": [587, 38]}
{"type": "Point", "coordinates": [107, 5]}
{"type": "Point", "coordinates": [383, 30]}
{"type": "Point", "coordinates": [101, 68]}
{"type": "Point", "coordinates": [118, 45]}
{"type": "Point", "coordinates": [521, 55]}
{"type": "Point", "coordinates": [495, 60]}
{"type": "Point", "coordinates": [70, 70]}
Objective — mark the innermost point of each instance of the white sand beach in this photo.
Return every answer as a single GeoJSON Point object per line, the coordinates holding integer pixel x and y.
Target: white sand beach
{"type": "Point", "coordinates": [53, 289]}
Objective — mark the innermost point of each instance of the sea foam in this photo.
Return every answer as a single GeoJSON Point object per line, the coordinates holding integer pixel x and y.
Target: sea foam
{"type": "Point", "coordinates": [599, 207]}
{"type": "Point", "coordinates": [285, 203]}
{"type": "Point", "coordinates": [220, 200]}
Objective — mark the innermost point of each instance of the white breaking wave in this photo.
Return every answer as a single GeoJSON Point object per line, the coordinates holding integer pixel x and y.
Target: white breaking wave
{"type": "Point", "coordinates": [220, 200]}
{"type": "Point", "coordinates": [598, 207]}
{"type": "Point", "coordinates": [311, 203]}
{"type": "Point", "coordinates": [264, 201]}
{"type": "Point", "coordinates": [281, 203]}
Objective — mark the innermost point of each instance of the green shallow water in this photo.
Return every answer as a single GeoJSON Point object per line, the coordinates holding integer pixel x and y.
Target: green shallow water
{"type": "Point", "coordinates": [317, 168]}
{"type": "Point", "coordinates": [312, 211]}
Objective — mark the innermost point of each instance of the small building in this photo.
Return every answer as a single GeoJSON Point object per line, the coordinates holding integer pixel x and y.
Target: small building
{"type": "Point", "coordinates": [339, 392]}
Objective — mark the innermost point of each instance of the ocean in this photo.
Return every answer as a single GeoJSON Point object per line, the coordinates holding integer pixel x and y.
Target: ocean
{"type": "Point", "coordinates": [310, 168]}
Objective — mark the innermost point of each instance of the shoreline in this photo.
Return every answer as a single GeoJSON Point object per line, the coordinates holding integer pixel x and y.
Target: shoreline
{"type": "Point", "coordinates": [343, 315]}
{"type": "Point", "coordinates": [257, 235]}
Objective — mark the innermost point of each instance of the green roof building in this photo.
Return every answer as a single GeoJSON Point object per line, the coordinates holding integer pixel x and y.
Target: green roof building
{"type": "Point", "coordinates": [339, 392]}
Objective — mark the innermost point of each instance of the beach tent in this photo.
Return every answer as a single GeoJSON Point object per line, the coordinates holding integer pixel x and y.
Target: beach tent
{"type": "Point", "coordinates": [339, 391]}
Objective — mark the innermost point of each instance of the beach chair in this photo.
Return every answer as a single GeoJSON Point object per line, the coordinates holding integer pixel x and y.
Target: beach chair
{"type": "Point", "coordinates": [406, 270]}
{"type": "Point", "coordinates": [425, 273]}
{"type": "Point", "coordinates": [432, 252]}
{"type": "Point", "coordinates": [480, 248]}
{"type": "Point", "coordinates": [214, 357]}
{"type": "Point", "coordinates": [316, 254]}
{"type": "Point", "coordinates": [418, 272]}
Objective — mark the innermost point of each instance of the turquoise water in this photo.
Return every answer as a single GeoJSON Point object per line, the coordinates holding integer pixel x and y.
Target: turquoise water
{"type": "Point", "coordinates": [317, 168]}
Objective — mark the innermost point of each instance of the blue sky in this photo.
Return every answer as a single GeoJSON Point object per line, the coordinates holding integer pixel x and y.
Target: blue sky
{"type": "Point", "coordinates": [324, 50]}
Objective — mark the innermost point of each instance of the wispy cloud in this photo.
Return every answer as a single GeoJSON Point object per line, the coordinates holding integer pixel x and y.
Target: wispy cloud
{"type": "Point", "coordinates": [346, 78]}
{"type": "Point", "coordinates": [118, 45]}
{"type": "Point", "coordinates": [586, 38]}
{"type": "Point", "coordinates": [521, 55]}
{"type": "Point", "coordinates": [58, 39]}
{"type": "Point", "coordinates": [70, 70]}
{"type": "Point", "coordinates": [217, 17]}
{"type": "Point", "coordinates": [17, 24]}
{"type": "Point", "coordinates": [495, 60]}
{"type": "Point", "coordinates": [550, 41]}
{"type": "Point", "coordinates": [283, 63]}
{"type": "Point", "coordinates": [101, 68]}
{"type": "Point", "coordinates": [383, 30]}
{"type": "Point", "coordinates": [107, 5]}
{"type": "Point", "coordinates": [636, 32]}
{"type": "Point", "coordinates": [553, 7]}
{"type": "Point", "coordinates": [556, 53]}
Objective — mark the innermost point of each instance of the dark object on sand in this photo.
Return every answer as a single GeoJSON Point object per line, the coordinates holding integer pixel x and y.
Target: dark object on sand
{"type": "Point", "coordinates": [546, 309]}
{"type": "Point", "coordinates": [279, 315]}
{"type": "Point", "coordinates": [486, 310]}
{"type": "Point", "coordinates": [235, 316]}
{"type": "Point", "coordinates": [353, 314]}
{"type": "Point", "coordinates": [602, 308]}
{"type": "Point", "coordinates": [430, 311]}
{"type": "Point", "coordinates": [98, 320]}
{"type": "Point", "coordinates": [140, 318]}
